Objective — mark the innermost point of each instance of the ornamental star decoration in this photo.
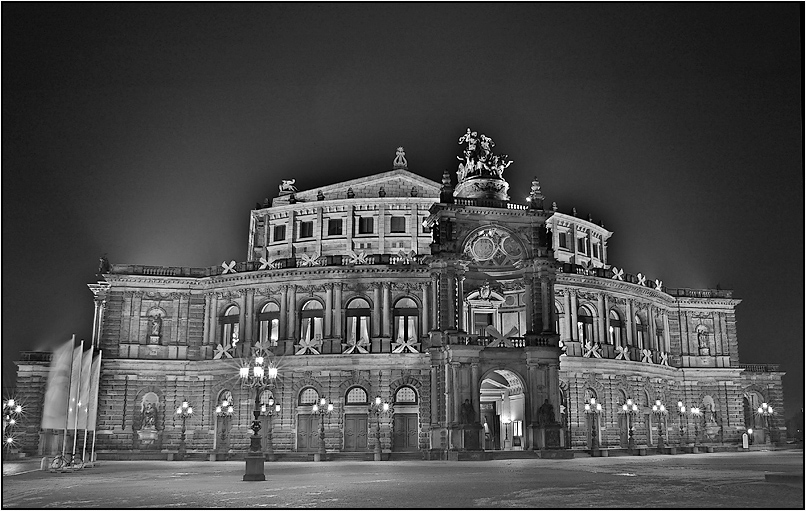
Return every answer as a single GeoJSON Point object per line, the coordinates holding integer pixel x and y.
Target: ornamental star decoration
{"type": "Point", "coordinates": [353, 345]}
{"type": "Point", "coordinates": [309, 260]}
{"type": "Point", "coordinates": [658, 285]}
{"type": "Point", "coordinates": [646, 356]}
{"type": "Point", "coordinates": [410, 345]}
{"type": "Point", "coordinates": [262, 349]}
{"type": "Point", "coordinates": [222, 351]}
{"type": "Point", "coordinates": [641, 279]}
{"type": "Point", "coordinates": [592, 350]}
{"type": "Point", "coordinates": [623, 353]}
{"type": "Point", "coordinates": [407, 258]}
{"type": "Point", "coordinates": [664, 359]}
{"type": "Point", "coordinates": [308, 345]}
{"type": "Point", "coordinates": [228, 267]}
{"type": "Point", "coordinates": [359, 258]}
{"type": "Point", "coordinates": [618, 274]}
{"type": "Point", "coordinates": [499, 339]}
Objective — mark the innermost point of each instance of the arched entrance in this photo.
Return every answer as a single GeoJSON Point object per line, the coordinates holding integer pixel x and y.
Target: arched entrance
{"type": "Point", "coordinates": [502, 407]}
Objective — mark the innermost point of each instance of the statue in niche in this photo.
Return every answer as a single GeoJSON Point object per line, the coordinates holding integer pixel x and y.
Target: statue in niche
{"type": "Point", "coordinates": [149, 416]}
{"type": "Point", "coordinates": [702, 341]}
{"type": "Point", "coordinates": [467, 412]}
{"type": "Point", "coordinates": [156, 325]}
{"type": "Point", "coordinates": [147, 433]}
{"type": "Point", "coordinates": [545, 414]}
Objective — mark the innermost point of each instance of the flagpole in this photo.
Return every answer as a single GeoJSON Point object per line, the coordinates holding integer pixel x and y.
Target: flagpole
{"type": "Point", "coordinates": [78, 398]}
{"type": "Point", "coordinates": [84, 450]}
{"type": "Point", "coordinates": [92, 454]}
{"type": "Point", "coordinates": [72, 348]}
{"type": "Point", "coordinates": [94, 403]}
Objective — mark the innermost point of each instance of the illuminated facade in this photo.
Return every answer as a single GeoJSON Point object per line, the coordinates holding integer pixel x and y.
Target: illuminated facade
{"type": "Point", "coordinates": [486, 324]}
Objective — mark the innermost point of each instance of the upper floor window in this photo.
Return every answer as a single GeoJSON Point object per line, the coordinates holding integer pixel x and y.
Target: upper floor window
{"type": "Point", "coordinates": [279, 232]}
{"type": "Point", "coordinates": [563, 240]}
{"type": "Point", "coordinates": [334, 227]}
{"type": "Point", "coordinates": [230, 327]}
{"type": "Point", "coordinates": [426, 229]}
{"type": "Point", "coordinates": [595, 247]}
{"type": "Point", "coordinates": [306, 229]}
{"type": "Point", "coordinates": [398, 224]}
{"type": "Point", "coordinates": [406, 320]}
{"type": "Point", "coordinates": [358, 313]}
{"type": "Point", "coordinates": [311, 320]}
{"type": "Point", "coordinates": [582, 245]}
{"type": "Point", "coordinates": [616, 332]}
{"type": "Point", "coordinates": [269, 324]}
{"type": "Point", "coordinates": [584, 325]}
{"type": "Point", "coordinates": [365, 225]}
{"type": "Point", "coordinates": [640, 333]}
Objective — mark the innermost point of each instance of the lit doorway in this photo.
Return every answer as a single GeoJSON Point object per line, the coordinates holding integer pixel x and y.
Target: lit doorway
{"type": "Point", "coordinates": [502, 407]}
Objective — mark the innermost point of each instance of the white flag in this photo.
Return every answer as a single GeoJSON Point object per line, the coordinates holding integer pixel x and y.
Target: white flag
{"type": "Point", "coordinates": [95, 381]}
{"type": "Point", "coordinates": [54, 411]}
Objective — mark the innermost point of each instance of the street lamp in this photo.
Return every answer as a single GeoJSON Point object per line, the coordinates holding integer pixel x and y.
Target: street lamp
{"type": "Point", "coordinates": [11, 414]}
{"type": "Point", "coordinates": [630, 409]}
{"type": "Point", "coordinates": [766, 411]}
{"type": "Point", "coordinates": [681, 412]}
{"type": "Point", "coordinates": [322, 408]}
{"type": "Point", "coordinates": [697, 414]}
{"type": "Point", "coordinates": [378, 408]}
{"type": "Point", "coordinates": [259, 376]}
{"type": "Point", "coordinates": [269, 412]}
{"type": "Point", "coordinates": [184, 411]}
{"type": "Point", "coordinates": [593, 409]}
{"type": "Point", "coordinates": [224, 412]}
{"type": "Point", "coordinates": [659, 409]}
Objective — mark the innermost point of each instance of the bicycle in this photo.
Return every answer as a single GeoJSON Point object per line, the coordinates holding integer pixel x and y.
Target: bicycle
{"type": "Point", "coordinates": [66, 461]}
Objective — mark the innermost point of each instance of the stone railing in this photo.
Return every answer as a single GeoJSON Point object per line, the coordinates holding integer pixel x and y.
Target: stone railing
{"type": "Point", "coordinates": [760, 368]}
{"type": "Point", "coordinates": [497, 342]}
{"type": "Point", "coordinates": [700, 293]}
{"type": "Point", "coordinates": [35, 356]}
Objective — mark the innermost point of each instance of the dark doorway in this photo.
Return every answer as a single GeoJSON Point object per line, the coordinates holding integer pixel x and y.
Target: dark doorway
{"type": "Point", "coordinates": [307, 433]}
{"type": "Point", "coordinates": [355, 432]}
{"type": "Point", "coordinates": [406, 432]}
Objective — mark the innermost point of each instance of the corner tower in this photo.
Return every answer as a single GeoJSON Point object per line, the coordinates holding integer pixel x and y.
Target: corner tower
{"type": "Point", "coordinates": [496, 349]}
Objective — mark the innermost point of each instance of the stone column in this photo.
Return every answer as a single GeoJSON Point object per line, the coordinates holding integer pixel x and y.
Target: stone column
{"type": "Point", "coordinates": [666, 332]}
{"type": "Point", "coordinates": [460, 301]}
{"type": "Point", "coordinates": [569, 329]}
{"type": "Point", "coordinates": [283, 333]}
{"type": "Point", "coordinates": [456, 391]}
{"type": "Point", "coordinates": [547, 302]}
{"type": "Point", "coordinates": [629, 322]}
{"type": "Point", "coordinates": [529, 287]}
{"type": "Point", "coordinates": [475, 390]}
{"type": "Point", "coordinates": [651, 334]}
{"type": "Point", "coordinates": [338, 311]}
{"type": "Point", "coordinates": [376, 310]}
{"type": "Point", "coordinates": [328, 310]}
{"type": "Point", "coordinates": [424, 313]}
{"type": "Point", "coordinates": [606, 312]}
{"type": "Point", "coordinates": [212, 313]}
{"type": "Point", "coordinates": [435, 304]}
{"type": "Point", "coordinates": [248, 321]}
{"type": "Point", "coordinates": [574, 330]}
{"type": "Point", "coordinates": [600, 320]}
{"type": "Point", "coordinates": [293, 313]}
{"type": "Point", "coordinates": [386, 323]}
{"type": "Point", "coordinates": [449, 417]}
{"type": "Point", "coordinates": [450, 305]}
{"type": "Point", "coordinates": [434, 397]}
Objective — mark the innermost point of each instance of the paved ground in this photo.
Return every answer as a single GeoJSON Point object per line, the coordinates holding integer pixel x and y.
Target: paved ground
{"type": "Point", "coordinates": [718, 480]}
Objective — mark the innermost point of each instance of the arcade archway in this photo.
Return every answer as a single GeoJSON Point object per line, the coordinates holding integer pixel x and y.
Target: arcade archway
{"type": "Point", "coordinates": [502, 407]}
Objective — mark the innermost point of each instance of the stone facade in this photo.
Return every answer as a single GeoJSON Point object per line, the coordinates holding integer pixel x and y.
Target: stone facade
{"type": "Point", "coordinates": [484, 323]}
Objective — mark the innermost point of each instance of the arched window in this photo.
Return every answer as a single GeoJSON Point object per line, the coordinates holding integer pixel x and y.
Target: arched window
{"type": "Point", "coordinates": [406, 316]}
{"type": "Point", "coordinates": [358, 314]}
{"type": "Point", "coordinates": [312, 317]}
{"type": "Point", "coordinates": [269, 324]}
{"type": "Point", "coordinates": [584, 325]}
{"type": "Point", "coordinates": [225, 402]}
{"type": "Point", "coordinates": [406, 396]}
{"type": "Point", "coordinates": [230, 327]}
{"type": "Point", "coordinates": [617, 333]}
{"type": "Point", "coordinates": [640, 332]}
{"type": "Point", "coordinates": [356, 396]}
{"type": "Point", "coordinates": [660, 343]}
{"type": "Point", "coordinates": [557, 314]}
{"type": "Point", "coordinates": [308, 396]}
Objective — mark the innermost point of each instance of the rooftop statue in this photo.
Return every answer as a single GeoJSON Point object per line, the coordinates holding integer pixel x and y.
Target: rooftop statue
{"type": "Point", "coordinates": [400, 159]}
{"type": "Point", "coordinates": [287, 186]}
{"type": "Point", "coordinates": [478, 159]}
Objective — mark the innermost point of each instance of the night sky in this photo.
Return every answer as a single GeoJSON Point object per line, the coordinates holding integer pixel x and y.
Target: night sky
{"type": "Point", "coordinates": [148, 131]}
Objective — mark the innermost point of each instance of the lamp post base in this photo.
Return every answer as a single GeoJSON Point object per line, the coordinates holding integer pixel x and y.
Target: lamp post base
{"type": "Point", "coordinates": [254, 467]}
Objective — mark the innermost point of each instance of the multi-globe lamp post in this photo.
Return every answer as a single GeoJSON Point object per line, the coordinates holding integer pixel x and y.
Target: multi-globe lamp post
{"type": "Point", "coordinates": [659, 410]}
{"type": "Point", "coordinates": [259, 376]}
{"type": "Point", "coordinates": [224, 412]}
{"type": "Point", "coordinates": [378, 408]}
{"type": "Point", "coordinates": [681, 412]}
{"type": "Point", "coordinates": [269, 409]}
{"type": "Point", "coordinates": [592, 410]}
{"type": "Point", "coordinates": [696, 414]}
{"type": "Point", "coordinates": [184, 412]}
{"type": "Point", "coordinates": [630, 409]}
{"type": "Point", "coordinates": [766, 412]}
{"type": "Point", "coordinates": [321, 408]}
{"type": "Point", "coordinates": [11, 415]}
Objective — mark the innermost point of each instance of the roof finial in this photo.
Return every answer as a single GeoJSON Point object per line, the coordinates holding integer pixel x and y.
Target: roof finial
{"type": "Point", "coordinates": [400, 159]}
